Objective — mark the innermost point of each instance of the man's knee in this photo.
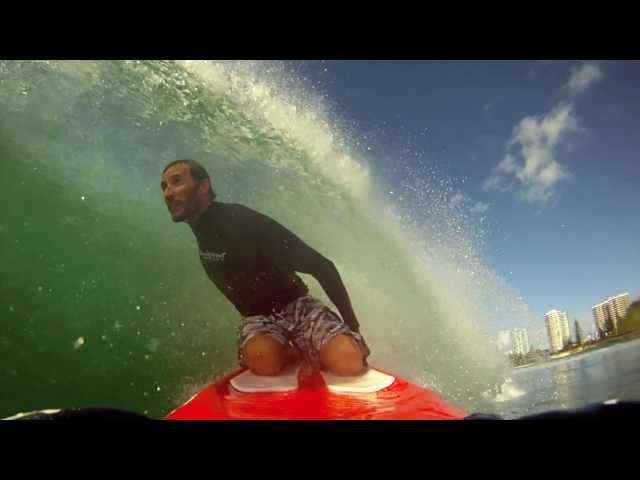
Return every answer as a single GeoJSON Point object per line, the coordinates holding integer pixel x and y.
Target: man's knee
{"type": "Point", "coordinates": [342, 356]}
{"type": "Point", "coordinates": [264, 355]}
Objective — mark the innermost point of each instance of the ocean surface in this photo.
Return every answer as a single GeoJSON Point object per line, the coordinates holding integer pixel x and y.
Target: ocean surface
{"type": "Point", "coordinates": [607, 374]}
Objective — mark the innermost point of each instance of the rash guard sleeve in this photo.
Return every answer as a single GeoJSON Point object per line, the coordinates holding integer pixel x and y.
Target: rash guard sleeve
{"type": "Point", "coordinates": [289, 251]}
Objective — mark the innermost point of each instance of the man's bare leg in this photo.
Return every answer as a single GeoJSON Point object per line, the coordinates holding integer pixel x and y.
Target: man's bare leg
{"type": "Point", "coordinates": [342, 355]}
{"type": "Point", "coordinates": [264, 355]}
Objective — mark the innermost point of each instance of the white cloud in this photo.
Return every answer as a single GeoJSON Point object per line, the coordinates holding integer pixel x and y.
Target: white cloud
{"type": "Point", "coordinates": [497, 183]}
{"type": "Point", "coordinates": [582, 78]}
{"type": "Point", "coordinates": [480, 207]}
{"type": "Point", "coordinates": [530, 166]}
{"type": "Point", "coordinates": [456, 200]}
{"type": "Point", "coordinates": [460, 199]}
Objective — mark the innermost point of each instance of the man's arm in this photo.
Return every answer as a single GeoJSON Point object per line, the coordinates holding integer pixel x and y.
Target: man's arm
{"type": "Point", "coordinates": [279, 243]}
{"type": "Point", "coordinates": [327, 275]}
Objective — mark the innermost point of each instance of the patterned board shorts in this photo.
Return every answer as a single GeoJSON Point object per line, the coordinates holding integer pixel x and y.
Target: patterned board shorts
{"type": "Point", "coordinates": [306, 324]}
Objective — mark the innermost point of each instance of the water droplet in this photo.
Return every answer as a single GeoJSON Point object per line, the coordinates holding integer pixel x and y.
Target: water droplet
{"type": "Point", "coordinates": [78, 343]}
{"type": "Point", "coordinates": [82, 198]}
{"type": "Point", "coordinates": [137, 307]}
{"type": "Point", "coordinates": [157, 389]}
{"type": "Point", "coordinates": [146, 357]}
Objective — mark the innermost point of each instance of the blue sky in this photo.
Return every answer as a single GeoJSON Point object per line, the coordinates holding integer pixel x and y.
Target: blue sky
{"type": "Point", "coordinates": [549, 150]}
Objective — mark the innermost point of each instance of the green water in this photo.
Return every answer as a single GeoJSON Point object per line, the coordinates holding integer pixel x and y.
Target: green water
{"type": "Point", "coordinates": [88, 251]}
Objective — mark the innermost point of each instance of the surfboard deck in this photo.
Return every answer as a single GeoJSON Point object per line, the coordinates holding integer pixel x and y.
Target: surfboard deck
{"type": "Point", "coordinates": [301, 393]}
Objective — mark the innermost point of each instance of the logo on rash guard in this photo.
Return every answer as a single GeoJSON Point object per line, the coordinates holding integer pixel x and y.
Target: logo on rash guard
{"type": "Point", "coordinates": [212, 257]}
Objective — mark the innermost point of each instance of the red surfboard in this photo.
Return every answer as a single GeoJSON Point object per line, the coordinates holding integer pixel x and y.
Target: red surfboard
{"type": "Point", "coordinates": [301, 393]}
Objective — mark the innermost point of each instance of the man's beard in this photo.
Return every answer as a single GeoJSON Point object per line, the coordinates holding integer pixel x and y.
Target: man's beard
{"type": "Point", "coordinates": [184, 213]}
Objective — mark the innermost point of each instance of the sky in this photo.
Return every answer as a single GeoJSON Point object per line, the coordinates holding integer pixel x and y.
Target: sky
{"type": "Point", "coordinates": [547, 151]}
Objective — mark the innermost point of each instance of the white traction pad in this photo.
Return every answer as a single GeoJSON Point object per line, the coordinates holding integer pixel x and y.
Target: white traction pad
{"type": "Point", "coordinates": [370, 382]}
{"type": "Point", "coordinates": [248, 382]}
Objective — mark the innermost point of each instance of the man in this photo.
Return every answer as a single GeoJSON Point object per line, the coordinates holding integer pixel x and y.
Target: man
{"type": "Point", "coordinates": [252, 260]}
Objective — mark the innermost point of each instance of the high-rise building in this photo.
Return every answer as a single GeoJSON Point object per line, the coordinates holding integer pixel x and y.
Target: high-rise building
{"type": "Point", "coordinates": [557, 324]}
{"type": "Point", "coordinates": [520, 341]}
{"type": "Point", "coordinates": [619, 305]}
{"type": "Point", "coordinates": [607, 313]}
{"type": "Point", "coordinates": [600, 317]}
{"type": "Point", "coordinates": [580, 336]}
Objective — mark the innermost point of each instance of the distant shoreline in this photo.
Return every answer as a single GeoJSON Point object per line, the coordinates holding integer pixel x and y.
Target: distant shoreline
{"type": "Point", "coordinates": [607, 342]}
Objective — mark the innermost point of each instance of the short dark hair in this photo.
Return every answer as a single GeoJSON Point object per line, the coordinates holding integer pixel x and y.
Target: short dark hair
{"type": "Point", "coordinates": [198, 173]}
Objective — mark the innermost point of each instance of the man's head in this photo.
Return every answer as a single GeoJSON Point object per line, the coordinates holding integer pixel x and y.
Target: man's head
{"type": "Point", "coordinates": [187, 190]}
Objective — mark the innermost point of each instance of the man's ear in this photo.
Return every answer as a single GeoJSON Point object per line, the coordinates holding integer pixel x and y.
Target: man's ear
{"type": "Point", "coordinates": [204, 186]}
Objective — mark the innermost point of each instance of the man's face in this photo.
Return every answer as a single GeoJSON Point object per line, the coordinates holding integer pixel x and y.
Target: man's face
{"type": "Point", "coordinates": [180, 191]}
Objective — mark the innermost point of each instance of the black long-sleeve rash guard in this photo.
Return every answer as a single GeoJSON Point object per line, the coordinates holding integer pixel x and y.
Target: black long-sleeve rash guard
{"type": "Point", "coordinates": [252, 260]}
